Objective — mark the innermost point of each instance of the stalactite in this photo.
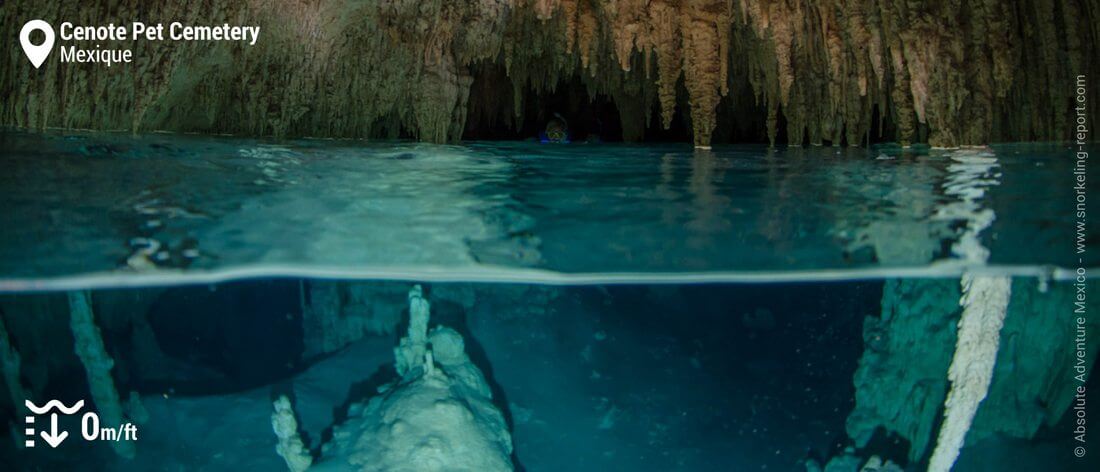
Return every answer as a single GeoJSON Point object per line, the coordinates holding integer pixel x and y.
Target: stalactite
{"type": "Point", "coordinates": [702, 75]}
{"type": "Point", "coordinates": [97, 365]}
{"type": "Point", "coordinates": [984, 302]}
{"type": "Point", "coordinates": [901, 381]}
{"type": "Point", "coordinates": [967, 72]}
{"type": "Point", "coordinates": [666, 45]}
{"type": "Point", "coordinates": [10, 368]}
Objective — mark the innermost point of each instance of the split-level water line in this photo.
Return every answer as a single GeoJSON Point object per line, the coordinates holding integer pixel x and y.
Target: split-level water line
{"type": "Point", "coordinates": [984, 302]}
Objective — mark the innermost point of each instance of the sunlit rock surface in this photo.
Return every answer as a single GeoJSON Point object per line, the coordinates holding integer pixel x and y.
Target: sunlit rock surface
{"type": "Point", "coordinates": [945, 72]}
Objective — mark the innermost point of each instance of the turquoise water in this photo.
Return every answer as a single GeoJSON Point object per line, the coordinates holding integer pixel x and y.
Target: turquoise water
{"type": "Point", "coordinates": [628, 307]}
{"type": "Point", "coordinates": [94, 210]}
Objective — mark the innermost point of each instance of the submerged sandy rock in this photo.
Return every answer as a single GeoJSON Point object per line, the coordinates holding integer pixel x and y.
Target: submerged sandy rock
{"type": "Point", "coordinates": [945, 72]}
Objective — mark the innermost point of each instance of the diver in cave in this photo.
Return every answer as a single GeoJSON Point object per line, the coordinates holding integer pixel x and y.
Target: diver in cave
{"type": "Point", "coordinates": [557, 131]}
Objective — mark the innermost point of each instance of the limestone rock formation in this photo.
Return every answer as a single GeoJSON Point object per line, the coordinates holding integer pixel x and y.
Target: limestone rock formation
{"type": "Point", "coordinates": [290, 446]}
{"type": "Point", "coordinates": [438, 415]}
{"type": "Point", "coordinates": [902, 379]}
{"type": "Point", "coordinates": [335, 314]}
{"type": "Point", "coordinates": [901, 382]}
{"type": "Point", "coordinates": [848, 461]}
{"type": "Point", "coordinates": [985, 304]}
{"type": "Point", "coordinates": [10, 366]}
{"type": "Point", "coordinates": [1026, 393]}
{"type": "Point", "coordinates": [942, 71]}
{"type": "Point", "coordinates": [97, 365]}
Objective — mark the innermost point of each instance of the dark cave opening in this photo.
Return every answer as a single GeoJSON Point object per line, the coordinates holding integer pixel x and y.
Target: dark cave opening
{"type": "Point", "coordinates": [222, 339]}
{"type": "Point", "coordinates": [591, 117]}
{"type": "Point", "coordinates": [741, 115]}
{"type": "Point", "coordinates": [492, 111]}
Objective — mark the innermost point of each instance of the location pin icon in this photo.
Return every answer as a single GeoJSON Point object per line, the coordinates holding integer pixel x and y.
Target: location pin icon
{"type": "Point", "coordinates": [37, 54]}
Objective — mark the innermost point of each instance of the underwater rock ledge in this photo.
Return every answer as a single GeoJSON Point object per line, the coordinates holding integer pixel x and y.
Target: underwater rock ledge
{"type": "Point", "coordinates": [830, 71]}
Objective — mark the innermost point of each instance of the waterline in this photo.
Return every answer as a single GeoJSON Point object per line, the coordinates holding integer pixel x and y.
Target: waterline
{"type": "Point", "coordinates": [110, 280]}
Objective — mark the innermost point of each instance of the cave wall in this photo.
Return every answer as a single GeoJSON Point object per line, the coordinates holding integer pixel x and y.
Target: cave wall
{"type": "Point", "coordinates": [902, 380]}
{"type": "Point", "coordinates": [947, 72]}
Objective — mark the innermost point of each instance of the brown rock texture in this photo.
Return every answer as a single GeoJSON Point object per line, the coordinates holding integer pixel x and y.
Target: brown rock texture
{"type": "Point", "coordinates": [945, 72]}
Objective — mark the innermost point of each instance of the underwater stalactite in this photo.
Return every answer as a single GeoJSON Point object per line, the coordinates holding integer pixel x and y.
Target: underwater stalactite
{"type": "Point", "coordinates": [945, 72]}
{"type": "Point", "coordinates": [900, 383]}
{"type": "Point", "coordinates": [97, 364]}
{"type": "Point", "coordinates": [985, 303]}
{"type": "Point", "coordinates": [10, 367]}
{"type": "Point", "coordinates": [335, 315]}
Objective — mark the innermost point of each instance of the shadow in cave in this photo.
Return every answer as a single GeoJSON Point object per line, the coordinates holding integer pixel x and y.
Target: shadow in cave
{"type": "Point", "coordinates": [591, 117]}
{"type": "Point", "coordinates": [633, 116]}
{"type": "Point", "coordinates": [359, 392]}
{"type": "Point", "coordinates": [772, 353]}
{"type": "Point", "coordinates": [235, 337]}
{"type": "Point", "coordinates": [453, 316]}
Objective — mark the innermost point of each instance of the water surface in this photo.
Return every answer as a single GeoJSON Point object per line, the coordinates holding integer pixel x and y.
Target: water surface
{"type": "Point", "coordinates": [97, 210]}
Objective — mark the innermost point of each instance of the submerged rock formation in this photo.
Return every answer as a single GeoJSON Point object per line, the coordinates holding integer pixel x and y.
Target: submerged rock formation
{"type": "Point", "coordinates": [10, 365]}
{"type": "Point", "coordinates": [290, 446]}
{"type": "Point", "coordinates": [335, 314]}
{"type": "Point", "coordinates": [942, 71]}
{"type": "Point", "coordinates": [437, 415]}
{"type": "Point", "coordinates": [985, 303]}
{"type": "Point", "coordinates": [901, 382]}
{"type": "Point", "coordinates": [97, 365]}
{"type": "Point", "coordinates": [902, 379]}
